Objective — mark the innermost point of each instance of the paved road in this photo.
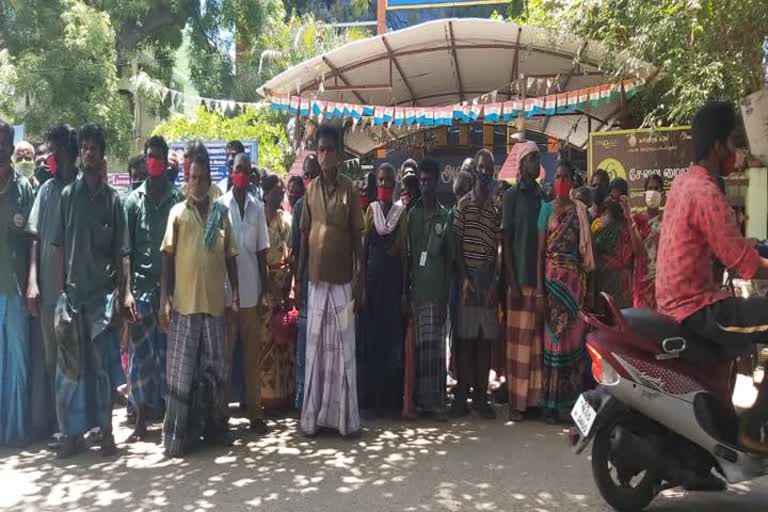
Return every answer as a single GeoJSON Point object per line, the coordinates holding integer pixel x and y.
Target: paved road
{"type": "Point", "coordinates": [470, 465]}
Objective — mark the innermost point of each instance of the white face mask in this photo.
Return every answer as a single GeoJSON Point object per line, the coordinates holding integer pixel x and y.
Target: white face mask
{"type": "Point", "coordinates": [652, 199]}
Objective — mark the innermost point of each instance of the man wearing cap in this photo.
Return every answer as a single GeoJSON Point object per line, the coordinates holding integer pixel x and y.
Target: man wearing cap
{"type": "Point", "coordinates": [523, 342]}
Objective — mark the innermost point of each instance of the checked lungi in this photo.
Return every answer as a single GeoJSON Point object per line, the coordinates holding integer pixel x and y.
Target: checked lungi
{"type": "Point", "coordinates": [196, 367]}
{"type": "Point", "coordinates": [525, 357]}
{"type": "Point", "coordinates": [330, 392]}
{"type": "Point", "coordinates": [88, 369]}
{"type": "Point", "coordinates": [429, 332]}
{"type": "Point", "coordinates": [146, 373]}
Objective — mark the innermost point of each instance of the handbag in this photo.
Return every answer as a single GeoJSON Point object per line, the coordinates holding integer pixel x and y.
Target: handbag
{"type": "Point", "coordinates": [285, 325]}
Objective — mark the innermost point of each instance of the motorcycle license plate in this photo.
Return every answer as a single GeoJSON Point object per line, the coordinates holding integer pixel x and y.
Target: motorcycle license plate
{"type": "Point", "coordinates": [584, 415]}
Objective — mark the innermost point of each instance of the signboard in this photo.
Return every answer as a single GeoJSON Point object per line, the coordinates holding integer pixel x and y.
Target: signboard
{"type": "Point", "coordinates": [637, 154]}
{"type": "Point", "coordinates": [217, 152]}
{"type": "Point", "coordinates": [120, 179]}
{"type": "Point", "coordinates": [754, 110]}
{"type": "Point", "coordinates": [428, 4]}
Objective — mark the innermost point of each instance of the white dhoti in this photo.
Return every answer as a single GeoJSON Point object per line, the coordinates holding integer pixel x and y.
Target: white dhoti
{"type": "Point", "coordinates": [330, 392]}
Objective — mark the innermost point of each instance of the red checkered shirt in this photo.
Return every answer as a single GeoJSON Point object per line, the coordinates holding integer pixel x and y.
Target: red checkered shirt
{"type": "Point", "coordinates": [699, 226]}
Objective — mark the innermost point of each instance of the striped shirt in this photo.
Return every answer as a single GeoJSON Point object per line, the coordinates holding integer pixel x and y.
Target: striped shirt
{"type": "Point", "coordinates": [477, 227]}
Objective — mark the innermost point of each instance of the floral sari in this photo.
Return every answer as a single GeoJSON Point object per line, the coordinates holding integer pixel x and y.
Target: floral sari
{"type": "Point", "coordinates": [565, 286]}
{"type": "Point", "coordinates": [614, 261]}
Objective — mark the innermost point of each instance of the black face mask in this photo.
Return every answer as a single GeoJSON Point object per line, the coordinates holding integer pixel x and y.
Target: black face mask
{"type": "Point", "coordinates": [136, 184]}
{"type": "Point", "coordinates": [599, 194]}
{"type": "Point", "coordinates": [614, 209]}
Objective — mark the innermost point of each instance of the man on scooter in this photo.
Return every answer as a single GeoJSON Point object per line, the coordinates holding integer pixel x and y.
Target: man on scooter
{"type": "Point", "coordinates": [699, 227]}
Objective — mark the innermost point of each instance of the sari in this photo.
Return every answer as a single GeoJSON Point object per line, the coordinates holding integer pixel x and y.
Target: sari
{"type": "Point", "coordinates": [644, 290]}
{"type": "Point", "coordinates": [278, 384]}
{"type": "Point", "coordinates": [565, 281]}
{"type": "Point", "coordinates": [614, 259]}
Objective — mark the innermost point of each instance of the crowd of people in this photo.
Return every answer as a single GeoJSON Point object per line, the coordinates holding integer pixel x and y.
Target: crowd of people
{"type": "Point", "coordinates": [350, 299]}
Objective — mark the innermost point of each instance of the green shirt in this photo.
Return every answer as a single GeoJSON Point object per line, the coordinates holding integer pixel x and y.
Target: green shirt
{"type": "Point", "coordinates": [520, 217]}
{"type": "Point", "coordinates": [92, 230]}
{"type": "Point", "coordinates": [146, 227]}
{"type": "Point", "coordinates": [15, 203]}
{"type": "Point", "coordinates": [43, 222]}
{"type": "Point", "coordinates": [429, 231]}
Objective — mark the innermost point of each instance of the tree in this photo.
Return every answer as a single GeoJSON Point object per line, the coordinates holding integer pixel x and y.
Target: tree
{"type": "Point", "coordinates": [262, 125]}
{"type": "Point", "coordinates": [286, 42]}
{"type": "Point", "coordinates": [71, 75]}
{"type": "Point", "coordinates": [703, 49]}
{"type": "Point", "coordinates": [8, 79]}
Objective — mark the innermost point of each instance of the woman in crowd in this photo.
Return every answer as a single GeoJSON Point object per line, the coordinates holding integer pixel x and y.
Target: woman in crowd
{"type": "Point", "coordinates": [565, 260]}
{"type": "Point", "coordinates": [612, 235]}
{"type": "Point", "coordinates": [649, 229]}
{"type": "Point", "coordinates": [385, 257]}
{"type": "Point", "coordinates": [277, 381]}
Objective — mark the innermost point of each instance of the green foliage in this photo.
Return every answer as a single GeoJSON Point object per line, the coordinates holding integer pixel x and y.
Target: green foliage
{"type": "Point", "coordinates": [72, 77]}
{"type": "Point", "coordinates": [8, 79]}
{"type": "Point", "coordinates": [261, 125]}
{"type": "Point", "coordinates": [287, 42]}
{"type": "Point", "coordinates": [702, 48]}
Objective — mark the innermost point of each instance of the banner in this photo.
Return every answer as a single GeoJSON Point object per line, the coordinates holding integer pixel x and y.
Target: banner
{"type": "Point", "coordinates": [637, 154]}
{"type": "Point", "coordinates": [217, 152]}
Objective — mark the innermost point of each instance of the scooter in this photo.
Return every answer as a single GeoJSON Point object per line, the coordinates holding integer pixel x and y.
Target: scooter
{"type": "Point", "coordinates": [662, 415]}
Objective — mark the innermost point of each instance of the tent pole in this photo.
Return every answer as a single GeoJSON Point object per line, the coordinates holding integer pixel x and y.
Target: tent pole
{"type": "Point", "coordinates": [381, 17]}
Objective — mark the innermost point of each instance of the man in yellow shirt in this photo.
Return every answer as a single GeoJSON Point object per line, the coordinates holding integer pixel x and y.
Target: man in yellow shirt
{"type": "Point", "coordinates": [199, 253]}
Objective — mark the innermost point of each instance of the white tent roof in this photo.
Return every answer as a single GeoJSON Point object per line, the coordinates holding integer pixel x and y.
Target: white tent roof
{"type": "Point", "coordinates": [449, 61]}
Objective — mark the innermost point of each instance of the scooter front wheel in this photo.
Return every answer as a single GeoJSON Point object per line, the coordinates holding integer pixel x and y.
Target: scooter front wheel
{"type": "Point", "coordinates": [625, 489]}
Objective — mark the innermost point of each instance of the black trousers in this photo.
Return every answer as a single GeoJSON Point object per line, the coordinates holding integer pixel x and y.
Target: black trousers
{"type": "Point", "coordinates": [736, 324]}
{"type": "Point", "coordinates": [473, 364]}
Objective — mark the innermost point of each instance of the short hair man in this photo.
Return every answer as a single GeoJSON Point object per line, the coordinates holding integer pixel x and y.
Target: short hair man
{"type": "Point", "coordinates": [233, 148]}
{"type": "Point", "coordinates": [93, 254]}
{"type": "Point", "coordinates": [24, 161]}
{"type": "Point", "coordinates": [430, 256]}
{"type": "Point", "coordinates": [310, 171]}
{"type": "Point", "coordinates": [332, 226]}
{"type": "Point", "coordinates": [476, 227]}
{"type": "Point", "coordinates": [191, 150]}
{"type": "Point", "coordinates": [199, 253]}
{"type": "Point", "coordinates": [147, 209]}
{"type": "Point", "coordinates": [45, 273]}
{"type": "Point", "coordinates": [249, 228]}
{"type": "Point", "coordinates": [16, 198]}
{"type": "Point", "coordinates": [699, 228]}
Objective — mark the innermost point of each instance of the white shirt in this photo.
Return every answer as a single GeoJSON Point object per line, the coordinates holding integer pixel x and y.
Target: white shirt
{"type": "Point", "coordinates": [251, 236]}
{"type": "Point", "coordinates": [223, 184]}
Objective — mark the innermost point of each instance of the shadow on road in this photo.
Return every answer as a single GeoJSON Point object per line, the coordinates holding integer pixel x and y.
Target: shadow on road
{"type": "Point", "coordinates": [409, 467]}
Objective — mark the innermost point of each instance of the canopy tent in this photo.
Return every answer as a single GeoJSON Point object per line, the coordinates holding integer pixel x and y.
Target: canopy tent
{"type": "Point", "coordinates": [453, 61]}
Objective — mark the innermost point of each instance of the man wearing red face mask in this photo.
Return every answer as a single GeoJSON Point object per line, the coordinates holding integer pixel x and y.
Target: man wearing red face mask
{"type": "Point", "coordinates": [249, 227]}
{"type": "Point", "coordinates": [699, 226]}
{"type": "Point", "coordinates": [147, 209]}
{"type": "Point", "coordinates": [44, 274]}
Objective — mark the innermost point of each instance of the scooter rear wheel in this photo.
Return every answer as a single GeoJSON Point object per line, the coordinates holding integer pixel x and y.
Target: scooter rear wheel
{"type": "Point", "coordinates": [624, 494]}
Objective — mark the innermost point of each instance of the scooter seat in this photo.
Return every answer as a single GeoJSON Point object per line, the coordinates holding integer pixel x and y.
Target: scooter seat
{"type": "Point", "coordinates": [671, 339]}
